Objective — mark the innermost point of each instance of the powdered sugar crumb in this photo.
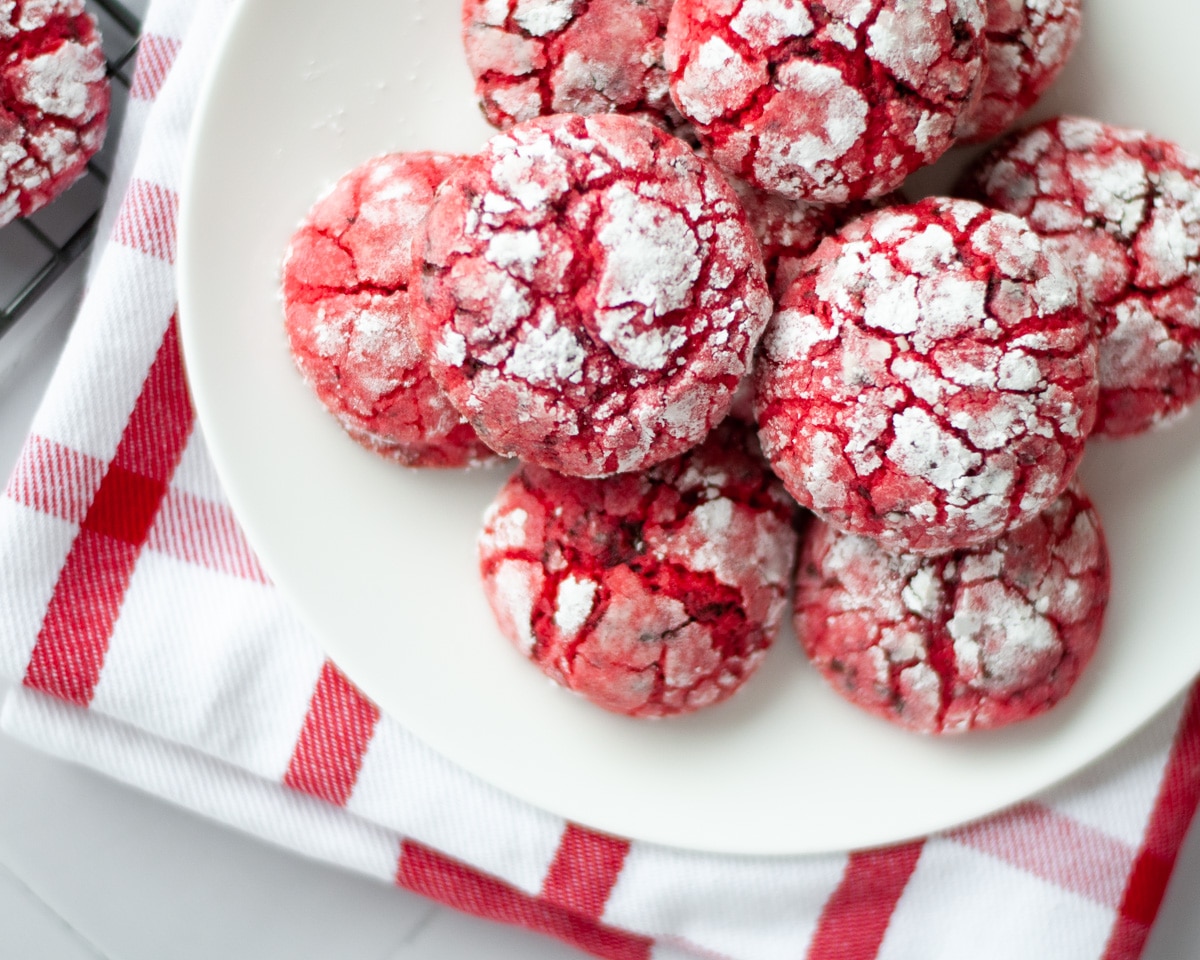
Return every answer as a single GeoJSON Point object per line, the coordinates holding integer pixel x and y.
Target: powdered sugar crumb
{"type": "Point", "coordinates": [574, 604]}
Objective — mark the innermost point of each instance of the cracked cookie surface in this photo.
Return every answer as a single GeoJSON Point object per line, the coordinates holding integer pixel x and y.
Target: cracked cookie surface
{"type": "Point", "coordinates": [1122, 209]}
{"type": "Point", "coordinates": [593, 291]}
{"type": "Point", "coordinates": [974, 639]}
{"type": "Point", "coordinates": [1026, 44]}
{"type": "Point", "coordinates": [929, 379]}
{"type": "Point", "coordinates": [651, 594]}
{"type": "Point", "coordinates": [533, 58]}
{"type": "Point", "coordinates": [830, 101]}
{"type": "Point", "coordinates": [347, 313]}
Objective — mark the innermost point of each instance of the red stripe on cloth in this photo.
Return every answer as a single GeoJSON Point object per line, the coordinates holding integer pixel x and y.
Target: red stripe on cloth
{"type": "Point", "coordinates": [154, 59]}
{"type": "Point", "coordinates": [430, 874]}
{"type": "Point", "coordinates": [337, 728]}
{"type": "Point", "coordinates": [60, 482]}
{"type": "Point", "coordinates": [54, 479]}
{"type": "Point", "coordinates": [1174, 809]}
{"type": "Point", "coordinates": [584, 871]}
{"type": "Point", "coordinates": [1060, 850]}
{"type": "Point", "coordinates": [73, 639]}
{"type": "Point", "coordinates": [206, 534]}
{"type": "Point", "coordinates": [83, 609]}
{"type": "Point", "coordinates": [856, 917]}
{"type": "Point", "coordinates": [125, 506]}
{"type": "Point", "coordinates": [161, 421]}
{"type": "Point", "coordinates": [146, 220]}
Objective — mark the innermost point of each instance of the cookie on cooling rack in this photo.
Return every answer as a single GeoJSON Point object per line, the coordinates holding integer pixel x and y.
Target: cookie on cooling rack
{"type": "Point", "coordinates": [54, 101]}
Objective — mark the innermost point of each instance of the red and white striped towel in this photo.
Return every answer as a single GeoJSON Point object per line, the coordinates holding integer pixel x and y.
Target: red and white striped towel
{"type": "Point", "coordinates": [147, 642]}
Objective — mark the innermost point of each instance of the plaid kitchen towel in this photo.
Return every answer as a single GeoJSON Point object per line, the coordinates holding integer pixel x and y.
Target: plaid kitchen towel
{"type": "Point", "coordinates": [146, 641]}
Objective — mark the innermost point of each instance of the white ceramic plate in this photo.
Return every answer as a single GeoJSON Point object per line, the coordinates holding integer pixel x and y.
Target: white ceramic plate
{"type": "Point", "coordinates": [381, 561]}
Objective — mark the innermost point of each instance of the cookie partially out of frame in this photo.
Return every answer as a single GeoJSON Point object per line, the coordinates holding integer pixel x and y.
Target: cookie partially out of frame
{"type": "Point", "coordinates": [54, 101]}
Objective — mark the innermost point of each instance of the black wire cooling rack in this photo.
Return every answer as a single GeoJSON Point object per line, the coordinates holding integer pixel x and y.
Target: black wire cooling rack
{"type": "Point", "coordinates": [37, 250]}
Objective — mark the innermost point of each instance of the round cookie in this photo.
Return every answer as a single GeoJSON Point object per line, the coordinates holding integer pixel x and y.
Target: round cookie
{"type": "Point", "coordinates": [532, 58]}
{"type": "Point", "coordinates": [651, 594]}
{"type": "Point", "coordinates": [54, 101]}
{"type": "Point", "coordinates": [1027, 43]}
{"type": "Point", "coordinates": [826, 102]}
{"type": "Point", "coordinates": [974, 639]}
{"type": "Point", "coordinates": [1122, 209]}
{"type": "Point", "coordinates": [347, 313]}
{"type": "Point", "coordinates": [929, 379]}
{"type": "Point", "coordinates": [594, 294]}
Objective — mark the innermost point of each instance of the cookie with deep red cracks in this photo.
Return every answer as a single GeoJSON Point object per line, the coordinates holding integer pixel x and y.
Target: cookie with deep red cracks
{"type": "Point", "coordinates": [54, 101]}
{"type": "Point", "coordinates": [347, 312]}
{"type": "Point", "coordinates": [651, 594]}
{"type": "Point", "coordinates": [1122, 209]}
{"type": "Point", "coordinates": [532, 58]}
{"type": "Point", "coordinates": [594, 294]}
{"type": "Point", "coordinates": [929, 379]}
{"type": "Point", "coordinates": [973, 639]}
{"type": "Point", "coordinates": [825, 101]}
{"type": "Point", "coordinates": [1027, 43]}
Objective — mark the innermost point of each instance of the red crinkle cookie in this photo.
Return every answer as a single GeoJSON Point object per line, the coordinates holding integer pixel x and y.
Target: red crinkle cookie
{"type": "Point", "coordinates": [974, 639]}
{"type": "Point", "coordinates": [825, 101]}
{"type": "Point", "coordinates": [594, 292]}
{"type": "Point", "coordinates": [531, 58]}
{"type": "Point", "coordinates": [347, 312]}
{"type": "Point", "coordinates": [54, 101]}
{"type": "Point", "coordinates": [929, 379]}
{"type": "Point", "coordinates": [1122, 209]}
{"type": "Point", "coordinates": [651, 594]}
{"type": "Point", "coordinates": [1027, 43]}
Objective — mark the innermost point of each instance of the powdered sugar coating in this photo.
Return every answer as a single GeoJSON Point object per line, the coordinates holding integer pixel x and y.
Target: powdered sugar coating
{"type": "Point", "coordinates": [1122, 209]}
{"type": "Point", "coordinates": [54, 101]}
{"type": "Point", "coordinates": [974, 639]}
{"type": "Point", "coordinates": [347, 306]}
{"type": "Point", "coordinates": [930, 377]}
{"type": "Point", "coordinates": [826, 102]}
{"type": "Point", "coordinates": [650, 594]}
{"type": "Point", "coordinates": [1027, 43]}
{"type": "Point", "coordinates": [594, 294]}
{"type": "Point", "coordinates": [532, 58]}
